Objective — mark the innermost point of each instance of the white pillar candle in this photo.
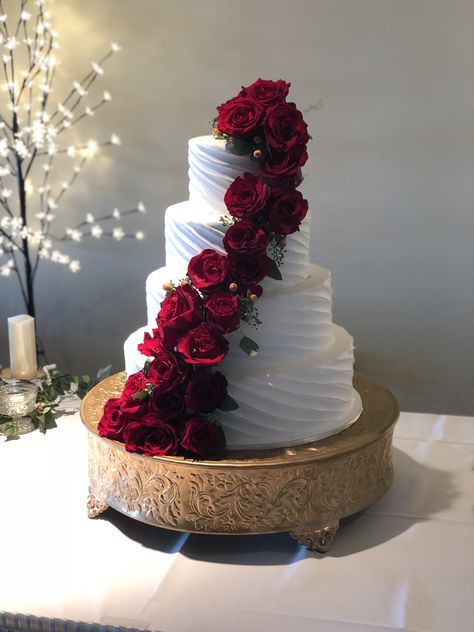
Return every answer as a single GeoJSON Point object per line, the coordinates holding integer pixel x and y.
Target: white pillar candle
{"type": "Point", "coordinates": [22, 342]}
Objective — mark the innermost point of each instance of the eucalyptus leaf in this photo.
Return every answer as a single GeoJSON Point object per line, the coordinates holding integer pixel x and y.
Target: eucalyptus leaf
{"type": "Point", "coordinates": [239, 147]}
{"type": "Point", "coordinates": [104, 372]}
{"type": "Point", "coordinates": [274, 272]}
{"type": "Point", "coordinates": [229, 404]}
{"type": "Point", "coordinates": [249, 346]}
{"type": "Point", "coordinates": [141, 394]}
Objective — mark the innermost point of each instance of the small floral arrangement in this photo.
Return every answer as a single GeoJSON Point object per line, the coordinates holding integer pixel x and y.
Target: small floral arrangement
{"type": "Point", "coordinates": [170, 407]}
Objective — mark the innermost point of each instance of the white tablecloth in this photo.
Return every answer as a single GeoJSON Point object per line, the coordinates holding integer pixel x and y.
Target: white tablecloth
{"type": "Point", "coordinates": [407, 563]}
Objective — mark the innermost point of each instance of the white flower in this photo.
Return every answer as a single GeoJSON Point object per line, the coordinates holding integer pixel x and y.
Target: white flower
{"type": "Point", "coordinates": [20, 148]}
{"type": "Point", "coordinates": [71, 151]}
{"type": "Point", "coordinates": [141, 207]}
{"type": "Point", "coordinates": [11, 43]}
{"type": "Point", "coordinates": [116, 213]}
{"type": "Point", "coordinates": [115, 140]}
{"type": "Point", "coordinates": [115, 47]}
{"type": "Point", "coordinates": [107, 96]}
{"type": "Point", "coordinates": [25, 16]}
{"type": "Point", "coordinates": [89, 111]}
{"type": "Point", "coordinates": [6, 193]}
{"type": "Point", "coordinates": [97, 69]}
{"type": "Point", "coordinates": [4, 149]}
{"type": "Point", "coordinates": [89, 218]}
{"type": "Point", "coordinates": [75, 266]}
{"type": "Point", "coordinates": [79, 89]}
{"type": "Point", "coordinates": [118, 233]}
{"type": "Point", "coordinates": [96, 231]}
{"type": "Point", "coordinates": [139, 235]}
{"type": "Point", "coordinates": [51, 204]}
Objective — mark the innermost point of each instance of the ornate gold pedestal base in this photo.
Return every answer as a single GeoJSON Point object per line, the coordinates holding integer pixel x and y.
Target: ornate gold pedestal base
{"type": "Point", "coordinates": [305, 490]}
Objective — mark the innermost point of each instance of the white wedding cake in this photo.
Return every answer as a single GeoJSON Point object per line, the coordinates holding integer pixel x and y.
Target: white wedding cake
{"type": "Point", "coordinates": [298, 388]}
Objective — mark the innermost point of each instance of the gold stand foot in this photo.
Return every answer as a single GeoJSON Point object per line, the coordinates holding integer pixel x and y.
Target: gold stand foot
{"type": "Point", "coordinates": [319, 540]}
{"type": "Point", "coordinates": [95, 506]}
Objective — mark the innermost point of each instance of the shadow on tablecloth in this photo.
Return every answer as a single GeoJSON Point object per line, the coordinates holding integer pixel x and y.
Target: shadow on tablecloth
{"type": "Point", "coordinates": [417, 492]}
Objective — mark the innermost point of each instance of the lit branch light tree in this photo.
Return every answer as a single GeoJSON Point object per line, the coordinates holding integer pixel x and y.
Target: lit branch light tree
{"type": "Point", "coordinates": [34, 128]}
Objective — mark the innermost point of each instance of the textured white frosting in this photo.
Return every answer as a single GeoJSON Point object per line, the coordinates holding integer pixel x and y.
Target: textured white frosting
{"type": "Point", "coordinates": [212, 170]}
{"type": "Point", "coordinates": [299, 386]}
{"type": "Point", "coordinates": [190, 229]}
{"type": "Point", "coordinates": [302, 311]}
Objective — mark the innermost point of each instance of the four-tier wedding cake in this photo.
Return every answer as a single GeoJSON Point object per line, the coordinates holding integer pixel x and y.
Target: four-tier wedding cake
{"type": "Point", "coordinates": [240, 341]}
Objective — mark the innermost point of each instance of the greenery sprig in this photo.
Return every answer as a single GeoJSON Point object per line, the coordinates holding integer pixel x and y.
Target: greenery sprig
{"type": "Point", "coordinates": [52, 389]}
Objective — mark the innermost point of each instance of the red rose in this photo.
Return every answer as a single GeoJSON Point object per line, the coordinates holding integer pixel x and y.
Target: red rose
{"type": "Point", "coordinates": [166, 371]}
{"type": "Point", "coordinates": [266, 92]}
{"type": "Point", "coordinates": [239, 117]}
{"type": "Point", "coordinates": [151, 440]}
{"type": "Point", "coordinates": [134, 407]}
{"type": "Point", "coordinates": [208, 270]}
{"type": "Point", "coordinates": [151, 345]}
{"type": "Point", "coordinates": [222, 311]}
{"type": "Point", "coordinates": [167, 405]}
{"type": "Point", "coordinates": [202, 437]}
{"type": "Point", "coordinates": [205, 391]}
{"type": "Point", "coordinates": [245, 237]}
{"type": "Point", "coordinates": [113, 420]}
{"type": "Point", "coordinates": [282, 164]}
{"type": "Point", "coordinates": [135, 383]}
{"type": "Point", "coordinates": [203, 345]}
{"type": "Point", "coordinates": [249, 269]}
{"type": "Point", "coordinates": [246, 195]}
{"type": "Point", "coordinates": [287, 210]}
{"type": "Point", "coordinates": [285, 127]}
{"type": "Point", "coordinates": [180, 310]}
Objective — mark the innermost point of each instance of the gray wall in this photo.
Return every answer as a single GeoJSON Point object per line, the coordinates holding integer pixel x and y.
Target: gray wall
{"type": "Point", "coordinates": [389, 180]}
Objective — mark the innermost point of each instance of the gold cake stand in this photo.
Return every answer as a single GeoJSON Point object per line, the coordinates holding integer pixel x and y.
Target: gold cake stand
{"type": "Point", "coordinates": [305, 490]}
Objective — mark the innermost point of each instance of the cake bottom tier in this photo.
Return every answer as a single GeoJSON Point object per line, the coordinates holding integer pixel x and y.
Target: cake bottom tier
{"type": "Point", "coordinates": [283, 405]}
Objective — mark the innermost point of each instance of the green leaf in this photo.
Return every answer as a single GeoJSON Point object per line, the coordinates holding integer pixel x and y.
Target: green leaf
{"type": "Point", "coordinates": [249, 346]}
{"type": "Point", "coordinates": [141, 394]}
{"type": "Point", "coordinates": [239, 147]}
{"type": "Point", "coordinates": [104, 372]}
{"type": "Point", "coordinates": [274, 272]}
{"type": "Point", "coordinates": [229, 404]}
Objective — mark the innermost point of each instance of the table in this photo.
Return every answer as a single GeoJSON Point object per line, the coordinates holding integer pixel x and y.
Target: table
{"type": "Point", "coordinates": [407, 563]}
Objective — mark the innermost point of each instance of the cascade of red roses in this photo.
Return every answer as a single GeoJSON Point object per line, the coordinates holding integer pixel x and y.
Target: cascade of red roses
{"type": "Point", "coordinates": [169, 407]}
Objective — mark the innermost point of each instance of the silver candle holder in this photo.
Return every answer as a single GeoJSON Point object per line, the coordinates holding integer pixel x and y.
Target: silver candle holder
{"type": "Point", "coordinates": [17, 400]}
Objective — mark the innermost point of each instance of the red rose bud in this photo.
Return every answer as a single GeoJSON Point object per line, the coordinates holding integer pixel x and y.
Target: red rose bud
{"type": "Point", "coordinates": [222, 311]}
{"type": "Point", "coordinates": [167, 405]}
{"type": "Point", "coordinates": [151, 345]}
{"type": "Point", "coordinates": [113, 420]}
{"type": "Point", "coordinates": [247, 195]}
{"type": "Point", "coordinates": [285, 127]}
{"type": "Point", "coordinates": [245, 237]}
{"type": "Point", "coordinates": [249, 269]}
{"type": "Point", "coordinates": [135, 383]}
{"type": "Point", "coordinates": [166, 372]}
{"type": "Point", "coordinates": [202, 437]}
{"type": "Point", "coordinates": [203, 345]}
{"type": "Point", "coordinates": [205, 391]}
{"type": "Point", "coordinates": [287, 209]}
{"type": "Point", "coordinates": [134, 407]}
{"type": "Point", "coordinates": [182, 309]}
{"type": "Point", "coordinates": [239, 117]}
{"type": "Point", "coordinates": [208, 270]}
{"type": "Point", "coordinates": [152, 440]}
{"type": "Point", "coordinates": [266, 92]}
{"type": "Point", "coordinates": [282, 164]}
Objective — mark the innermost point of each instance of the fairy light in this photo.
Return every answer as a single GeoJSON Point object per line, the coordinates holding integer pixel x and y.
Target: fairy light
{"type": "Point", "coordinates": [29, 64]}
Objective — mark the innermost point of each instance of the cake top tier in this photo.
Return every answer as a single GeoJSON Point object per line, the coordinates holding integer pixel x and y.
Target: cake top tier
{"type": "Point", "coordinates": [212, 169]}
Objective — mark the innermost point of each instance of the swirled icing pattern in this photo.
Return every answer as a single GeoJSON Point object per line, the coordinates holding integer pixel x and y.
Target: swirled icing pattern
{"type": "Point", "coordinates": [299, 386]}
